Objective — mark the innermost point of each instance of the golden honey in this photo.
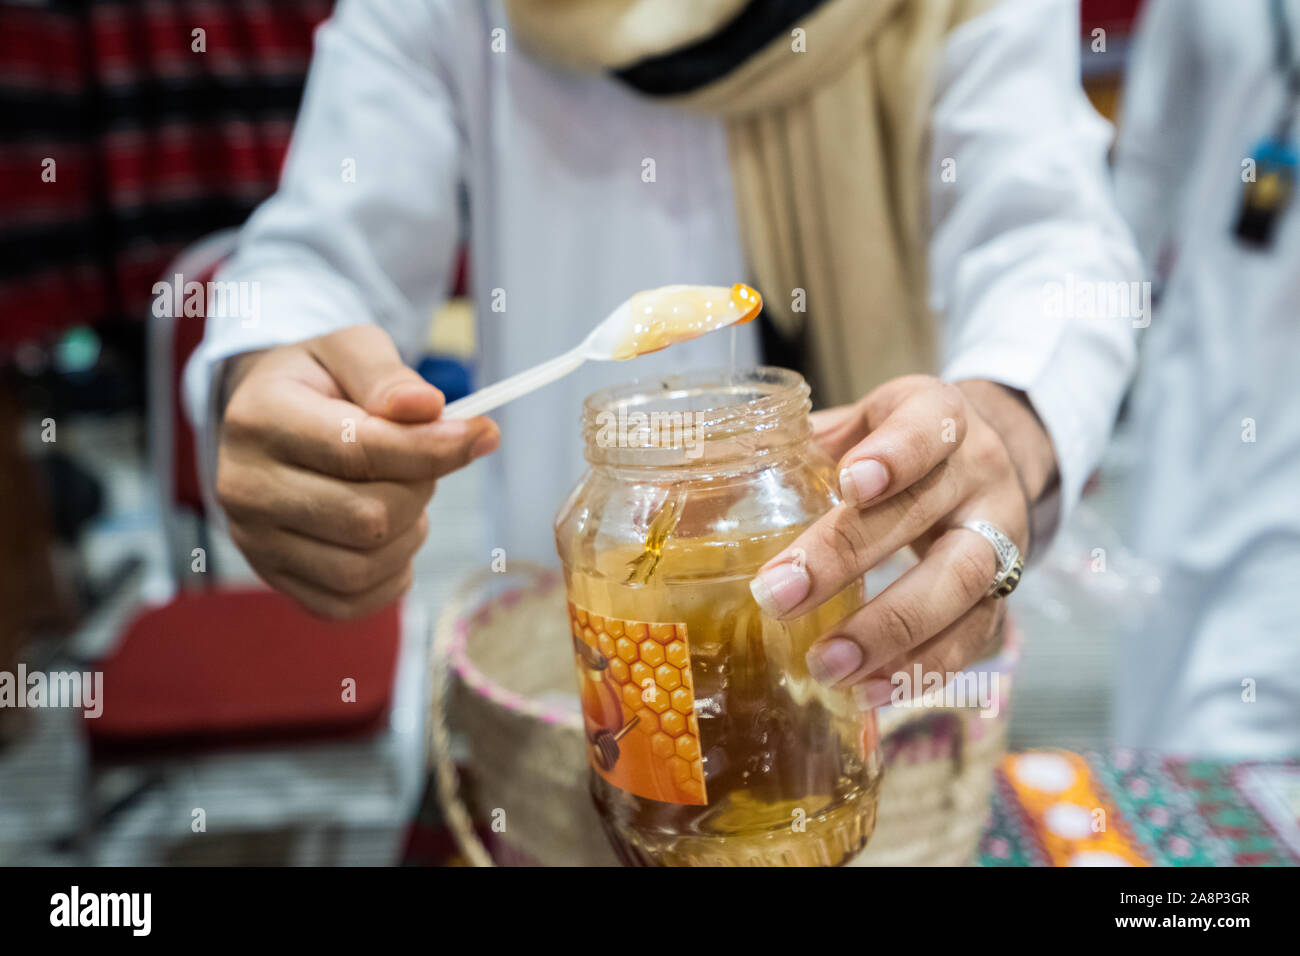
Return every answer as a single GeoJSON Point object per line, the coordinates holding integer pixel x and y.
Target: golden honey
{"type": "Point", "coordinates": [678, 313]}
{"type": "Point", "coordinates": [709, 742]}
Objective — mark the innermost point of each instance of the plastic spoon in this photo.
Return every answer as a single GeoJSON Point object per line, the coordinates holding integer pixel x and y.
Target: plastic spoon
{"type": "Point", "coordinates": [645, 323]}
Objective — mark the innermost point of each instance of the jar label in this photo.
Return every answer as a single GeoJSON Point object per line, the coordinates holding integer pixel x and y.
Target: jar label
{"type": "Point", "coordinates": [638, 706]}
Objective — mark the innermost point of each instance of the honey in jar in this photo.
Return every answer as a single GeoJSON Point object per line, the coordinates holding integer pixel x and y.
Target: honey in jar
{"type": "Point", "coordinates": [709, 742]}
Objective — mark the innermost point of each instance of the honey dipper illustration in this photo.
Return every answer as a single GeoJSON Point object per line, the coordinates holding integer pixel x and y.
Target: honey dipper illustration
{"type": "Point", "coordinates": [602, 711]}
{"type": "Point", "coordinates": [604, 745]}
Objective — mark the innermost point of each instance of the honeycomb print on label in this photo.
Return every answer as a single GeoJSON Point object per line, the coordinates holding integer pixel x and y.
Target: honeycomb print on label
{"type": "Point", "coordinates": [638, 706]}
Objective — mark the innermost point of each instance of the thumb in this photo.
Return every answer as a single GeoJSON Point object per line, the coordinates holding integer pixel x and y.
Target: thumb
{"type": "Point", "coordinates": [364, 362]}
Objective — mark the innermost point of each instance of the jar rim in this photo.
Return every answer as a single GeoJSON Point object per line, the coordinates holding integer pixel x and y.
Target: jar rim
{"type": "Point", "coordinates": [706, 407]}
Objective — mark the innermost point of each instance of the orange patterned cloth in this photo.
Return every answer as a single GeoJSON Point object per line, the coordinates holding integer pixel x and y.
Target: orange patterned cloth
{"type": "Point", "coordinates": [1074, 818]}
{"type": "Point", "coordinates": [1132, 808]}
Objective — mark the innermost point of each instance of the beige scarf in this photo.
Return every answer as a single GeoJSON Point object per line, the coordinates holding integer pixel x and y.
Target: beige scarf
{"type": "Point", "coordinates": [827, 127]}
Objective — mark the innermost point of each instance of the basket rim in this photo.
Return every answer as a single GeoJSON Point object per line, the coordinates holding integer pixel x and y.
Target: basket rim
{"type": "Point", "coordinates": [474, 677]}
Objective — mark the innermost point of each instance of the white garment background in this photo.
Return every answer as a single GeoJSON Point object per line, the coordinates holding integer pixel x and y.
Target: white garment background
{"type": "Point", "coordinates": [1218, 516]}
{"type": "Point", "coordinates": [561, 220]}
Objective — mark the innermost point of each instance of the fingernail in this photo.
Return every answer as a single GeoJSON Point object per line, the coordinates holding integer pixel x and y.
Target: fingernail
{"type": "Point", "coordinates": [873, 693]}
{"type": "Point", "coordinates": [485, 444]}
{"type": "Point", "coordinates": [780, 588]}
{"type": "Point", "coordinates": [832, 660]}
{"type": "Point", "coordinates": [862, 481]}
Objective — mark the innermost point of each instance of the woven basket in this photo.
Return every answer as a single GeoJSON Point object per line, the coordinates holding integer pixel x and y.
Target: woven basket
{"type": "Point", "coordinates": [504, 679]}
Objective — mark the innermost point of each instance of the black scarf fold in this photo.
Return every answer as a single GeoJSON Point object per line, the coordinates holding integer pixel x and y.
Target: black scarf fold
{"type": "Point", "coordinates": [693, 67]}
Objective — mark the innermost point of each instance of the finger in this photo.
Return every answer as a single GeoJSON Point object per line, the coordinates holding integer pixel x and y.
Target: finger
{"type": "Point", "coordinates": [838, 429]}
{"type": "Point", "coordinates": [970, 638]}
{"type": "Point", "coordinates": [338, 607]}
{"type": "Point", "coordinates": [293, 423]}
{"type": "Point", "coordinates": [845, 543]}
{"type": "Point", "coordinates": [352, 514]}
{"type": "Point", "coordinates": [924, 429]}
{"type": "Point", "coordinates": [365, 363]}
{"type": "Point", "coordinates": [330, 567]}
{"type": "Point", "coordinates": [953, 577]}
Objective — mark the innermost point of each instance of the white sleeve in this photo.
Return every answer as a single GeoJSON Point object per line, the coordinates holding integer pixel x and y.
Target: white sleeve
{"type": "Point", "coordinates": [1026, 226]}
{"type": "Point", "coordinates": [365, 223]}
{"type": "Point", "coordinates": [1157, 128]}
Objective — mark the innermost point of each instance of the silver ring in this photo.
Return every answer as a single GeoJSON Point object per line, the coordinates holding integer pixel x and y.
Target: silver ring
{"type": "Point", "coordinates": [1010, 563]}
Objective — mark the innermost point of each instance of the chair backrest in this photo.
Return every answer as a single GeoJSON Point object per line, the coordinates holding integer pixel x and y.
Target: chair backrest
{"type": "Point", "coordinates": [173, 449]}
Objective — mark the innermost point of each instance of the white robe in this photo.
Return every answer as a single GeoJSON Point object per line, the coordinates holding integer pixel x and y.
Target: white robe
{"type": "Point", "coordinates": [562, 222]}
{"type": "Point", "coordinates": [1216, 412]}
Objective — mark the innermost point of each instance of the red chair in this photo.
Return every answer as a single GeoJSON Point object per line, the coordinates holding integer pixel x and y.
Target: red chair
{"type": "Point", "coordinates": [220, 678]}
{"type": "Point", "coordinates": [173, 448]}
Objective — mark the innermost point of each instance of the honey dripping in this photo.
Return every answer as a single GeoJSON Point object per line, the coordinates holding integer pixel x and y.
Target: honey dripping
{"type": "Point", "coordinates": [657, 533]}
{"type": "Point", "coordinates": [731, 367]}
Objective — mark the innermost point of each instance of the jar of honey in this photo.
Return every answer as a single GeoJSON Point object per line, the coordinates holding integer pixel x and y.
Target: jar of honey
{"type": "Point", "coordinates": [708, 740]}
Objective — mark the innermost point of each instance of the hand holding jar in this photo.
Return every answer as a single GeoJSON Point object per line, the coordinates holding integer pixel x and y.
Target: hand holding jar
{"type": "Point", "coordinates": [917, 458]}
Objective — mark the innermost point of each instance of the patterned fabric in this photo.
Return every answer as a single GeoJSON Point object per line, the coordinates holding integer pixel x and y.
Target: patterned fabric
{"type": "Point", "coordinates": [1070, 817]}
{"type": "Point", "coordinates": [1156, 812]}
{"type": "Point", "coordinates": [154, 142]}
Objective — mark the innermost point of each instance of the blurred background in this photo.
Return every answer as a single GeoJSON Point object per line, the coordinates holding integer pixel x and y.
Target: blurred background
{"type": "Point", "coordinates": [157, 156]}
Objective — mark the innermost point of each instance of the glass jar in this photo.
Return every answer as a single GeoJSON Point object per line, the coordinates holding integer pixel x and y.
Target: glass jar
{"type": "Point", "coordinates": [709, 742]}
